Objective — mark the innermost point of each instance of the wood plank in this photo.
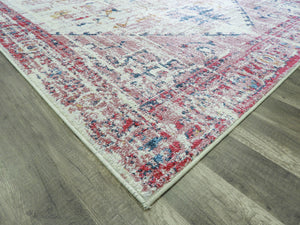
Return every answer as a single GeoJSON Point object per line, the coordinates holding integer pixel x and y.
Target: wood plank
{"type": "Point", "coordinates": [284, 150]}
{"type": "Point", "coordinates": [283, 114]}
{"type": "Point", "coordinates": [164, 213]}
{"type": "Point", "coordinates": [215, 201]}
{"type": "Point", "coordinates": [289, 92]}
{"type": "Point", "coordinates": [269, 185]}
{"type": "Point", "coordinates": [33, 190]}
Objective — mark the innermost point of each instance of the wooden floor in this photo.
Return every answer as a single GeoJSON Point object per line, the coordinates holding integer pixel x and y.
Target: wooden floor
{"type": "Point", "coordinates": [47, 176]}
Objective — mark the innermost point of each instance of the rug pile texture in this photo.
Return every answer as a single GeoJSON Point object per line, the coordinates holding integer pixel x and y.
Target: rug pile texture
{"type": "Point", "coordinates": [151, 85]}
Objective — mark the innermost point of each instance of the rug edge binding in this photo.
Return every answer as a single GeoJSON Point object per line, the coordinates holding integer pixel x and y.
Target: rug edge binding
{"type": "Point", "coordinates": [147, 203]}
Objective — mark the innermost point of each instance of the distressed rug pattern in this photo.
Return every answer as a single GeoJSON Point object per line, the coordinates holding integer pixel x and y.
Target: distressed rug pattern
{"type": "Point", "coordinates": [151, 86]}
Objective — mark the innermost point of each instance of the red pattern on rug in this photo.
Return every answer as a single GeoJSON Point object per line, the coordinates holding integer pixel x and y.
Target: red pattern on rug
{"type": "Point", "coordinates": [150, 93]}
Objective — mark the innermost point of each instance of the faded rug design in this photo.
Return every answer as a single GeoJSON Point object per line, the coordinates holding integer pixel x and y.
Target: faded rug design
{"type": "Point", "coordinates": [150, 86]}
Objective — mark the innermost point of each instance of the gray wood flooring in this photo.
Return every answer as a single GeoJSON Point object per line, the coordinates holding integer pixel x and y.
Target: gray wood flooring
{"type": "Point", "coordinates": [47, 176]}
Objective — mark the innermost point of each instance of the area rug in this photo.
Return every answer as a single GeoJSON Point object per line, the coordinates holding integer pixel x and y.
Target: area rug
{"type": "Point", "coordinates": [151, 86]}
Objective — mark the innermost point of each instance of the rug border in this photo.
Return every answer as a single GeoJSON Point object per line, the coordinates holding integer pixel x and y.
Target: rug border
{"type": "Point", "coordinates": [174, 180]}
{"type": "Point", "coordinates": [146, 203]}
